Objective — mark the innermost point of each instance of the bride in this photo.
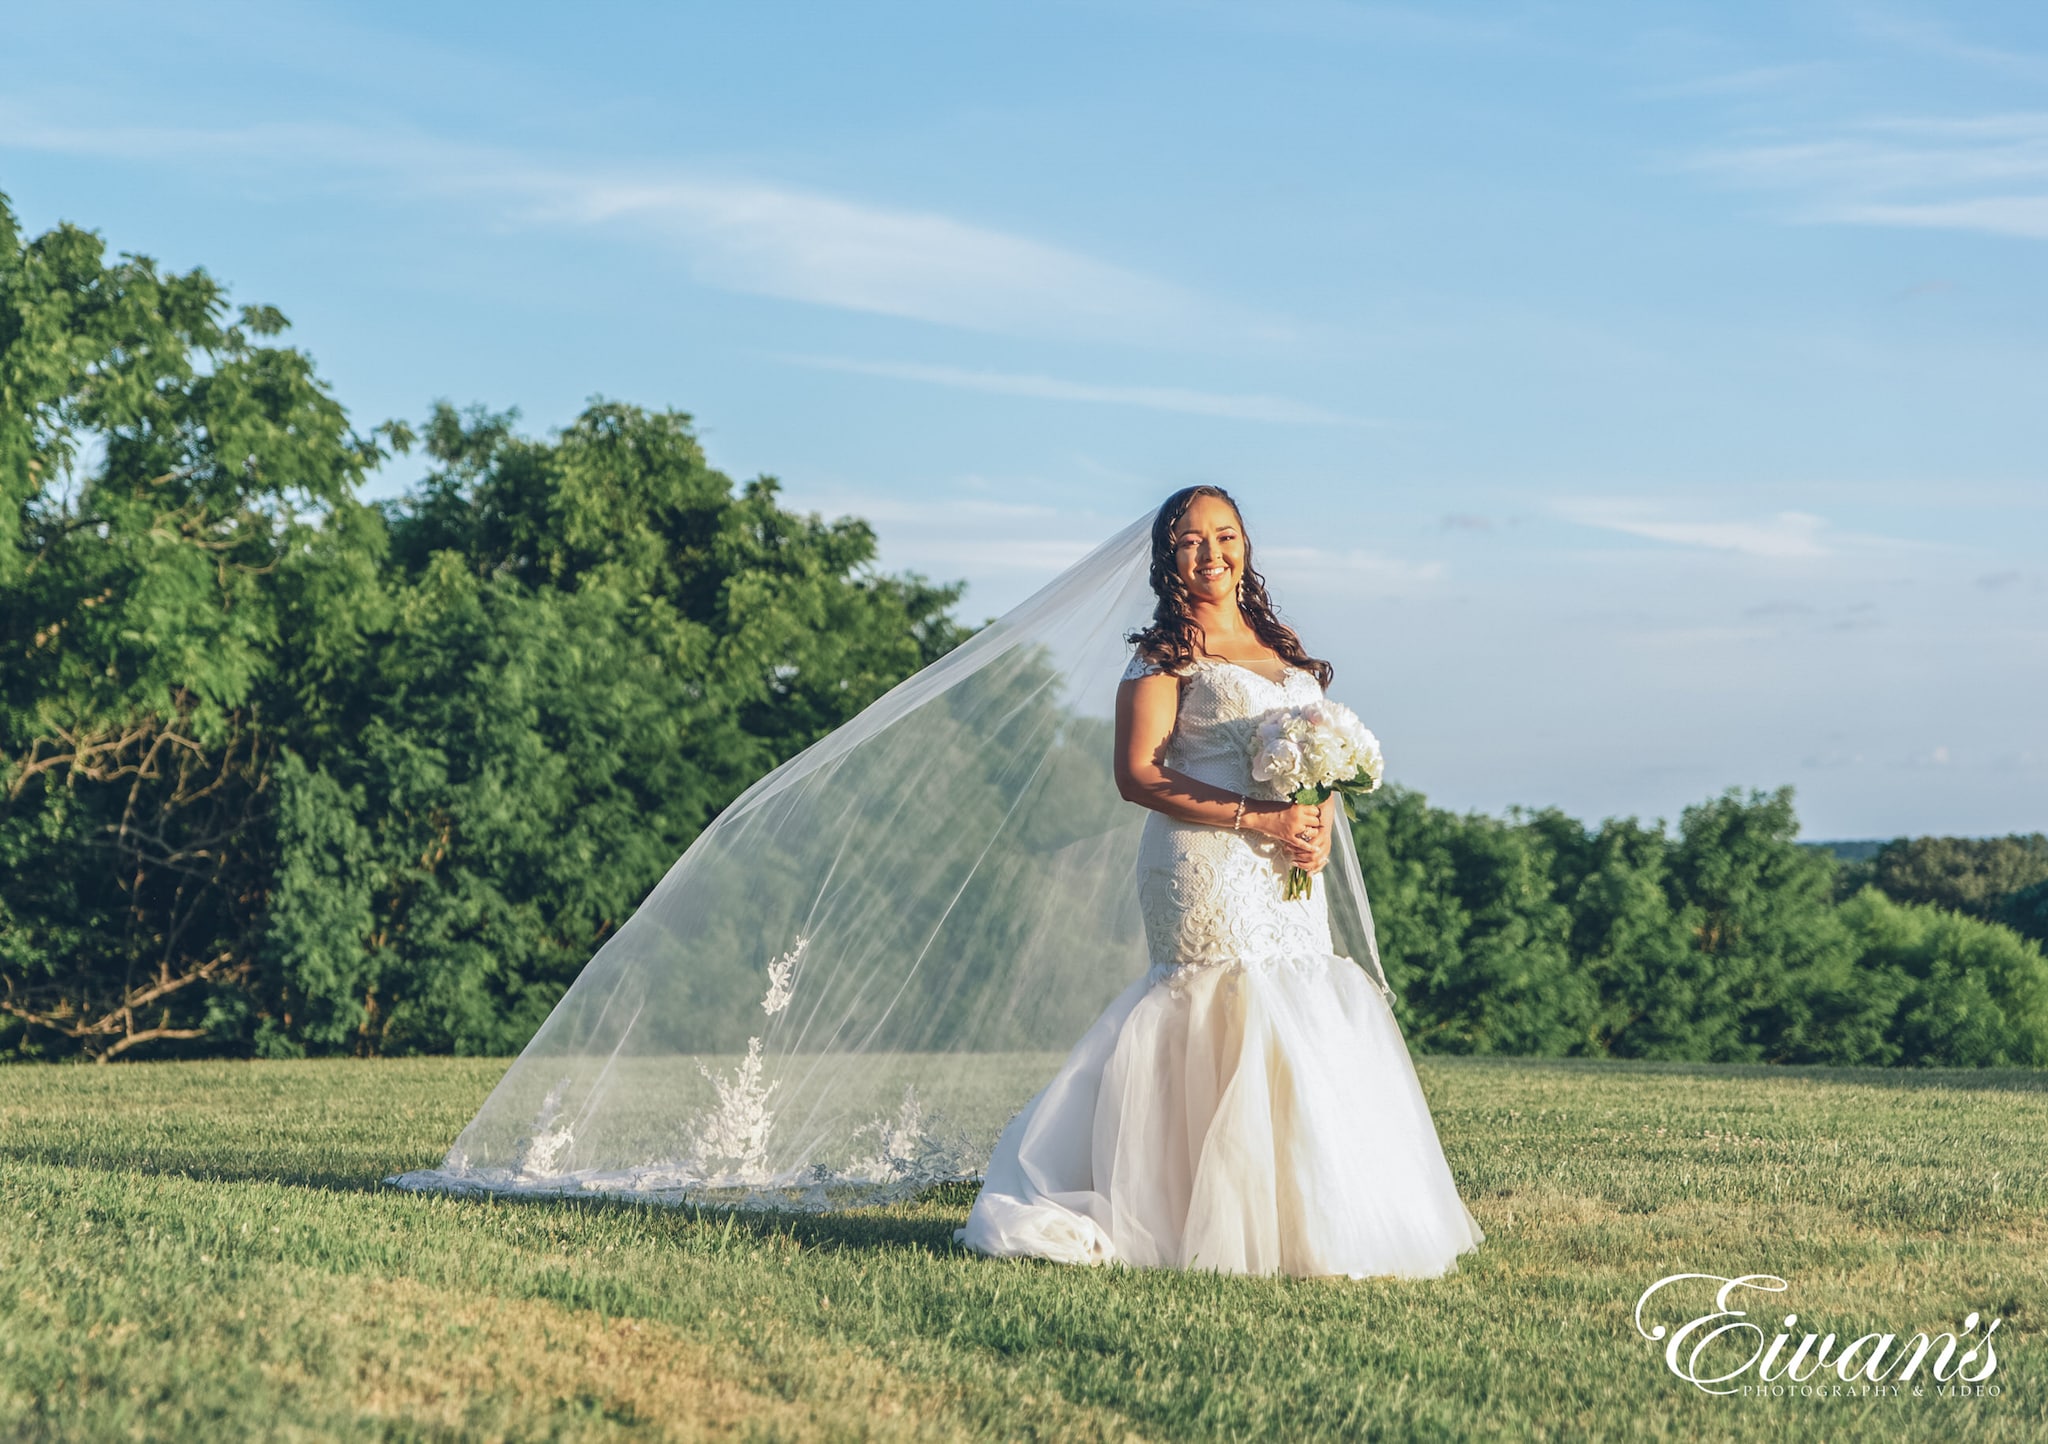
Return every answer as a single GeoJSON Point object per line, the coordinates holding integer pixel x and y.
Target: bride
{"type": "Point", "coordinates": [1249, 1105]}
{"type": "Point", "coordinates": [843, 990]}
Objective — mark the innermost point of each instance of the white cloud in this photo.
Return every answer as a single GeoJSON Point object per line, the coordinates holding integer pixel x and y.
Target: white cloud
{"type": "Point", "coordinates": [1788, 535]}
{"type": "Point", "coordinates": [1350, 573]}
{"type": "Point", "coordinates": [1923, 37]}
{"type": "Point", "coordinates": [1004, 549]}
{"type": "Point", "coordinates": [804, 246]}
{"type": "Point", "coordinates": [1777, 610]}
{"type": "Point", "coordinates": [1238, 407]}
{"type": "Point", "coordinates": [1985, 173]}
{"type": "Point", "coordinates": [2025, 216]}
{"type": "Point", "coordinates": [737, 234]}
{"type": "Point", "coordinates": [1762, 78]}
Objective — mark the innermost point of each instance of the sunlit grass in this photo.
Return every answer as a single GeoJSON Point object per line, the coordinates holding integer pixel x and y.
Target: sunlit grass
{"type": "Point", "coordinates": [204, 1250]}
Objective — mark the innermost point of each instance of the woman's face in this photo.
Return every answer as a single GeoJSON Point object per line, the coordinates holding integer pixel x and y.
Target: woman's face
{"type": "Point", "coordinates": [1208, 550]}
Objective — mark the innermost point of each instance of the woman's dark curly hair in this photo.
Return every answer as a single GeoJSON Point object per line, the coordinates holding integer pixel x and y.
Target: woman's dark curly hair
{"type": "Point", "coordinates": [1174, 640]}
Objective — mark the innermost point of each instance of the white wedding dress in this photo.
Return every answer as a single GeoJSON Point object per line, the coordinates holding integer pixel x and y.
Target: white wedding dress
{"type": "Point", "coordinates": [1249, 1105]}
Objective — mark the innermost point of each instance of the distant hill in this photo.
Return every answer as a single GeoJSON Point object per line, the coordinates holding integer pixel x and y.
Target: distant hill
{"type": "Point", "coordinates": [1849, 851]}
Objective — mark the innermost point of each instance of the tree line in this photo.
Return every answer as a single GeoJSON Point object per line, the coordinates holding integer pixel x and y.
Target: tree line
{"type": "Point", "coordinates": [287, 772]}
{"type": "Point", "coordinates": [1722, 940]}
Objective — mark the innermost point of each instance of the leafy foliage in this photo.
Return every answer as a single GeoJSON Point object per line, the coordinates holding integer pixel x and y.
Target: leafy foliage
{"type": "Point", "coordinates": [2026, 912]}
{"type": "Point", "coordinates": [166, 483]}
{"type": "Point", "coordinates": [1964, 874]}
{"type": "Point", "coordinates": [593, 644]}
{"type": "Point", "coordinates": [1723, 943]}
{"type": "Point", "coordinates": [281, 771]}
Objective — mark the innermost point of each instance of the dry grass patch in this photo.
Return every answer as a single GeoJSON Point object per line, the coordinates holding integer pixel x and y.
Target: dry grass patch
{"type": "Point", "coordinates": [420, 1356]}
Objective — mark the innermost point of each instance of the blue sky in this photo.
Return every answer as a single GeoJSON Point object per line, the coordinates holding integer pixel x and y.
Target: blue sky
{"type": "Point", "coordinates": [1632, 400]}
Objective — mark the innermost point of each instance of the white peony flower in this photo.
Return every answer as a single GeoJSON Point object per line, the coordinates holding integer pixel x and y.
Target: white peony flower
{"type": "Point", "coordinates": [1278, 760]}
{"type": "Point", "coordinates": [1320, 745]}
{"type": "Point", "coordinates": [1319, 749]}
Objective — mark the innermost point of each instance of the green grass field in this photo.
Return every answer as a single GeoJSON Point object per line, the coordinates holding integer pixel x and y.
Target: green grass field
{"type": "Point", "coordinates": [205, 1251]}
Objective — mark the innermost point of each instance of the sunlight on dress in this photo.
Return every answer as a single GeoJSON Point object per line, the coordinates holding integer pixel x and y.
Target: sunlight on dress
{"type": "Point", "coordinates": [1249, 1106]}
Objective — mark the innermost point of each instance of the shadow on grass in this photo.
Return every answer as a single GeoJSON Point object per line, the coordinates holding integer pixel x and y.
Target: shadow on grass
{"type": "Point", "coordinates": [195, 1167]}
{"type": "Point", "coordinates": [851, 1232]}
{"type": "Point", "coordinates": [1994, 1080]}
{"type": "Point", "coordinates": [912, 1225]}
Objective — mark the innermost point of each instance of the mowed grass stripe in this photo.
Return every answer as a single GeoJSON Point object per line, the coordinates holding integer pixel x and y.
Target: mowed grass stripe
{"type": "Point", "coordinates": [284, 1353]}
{"type": "Point", "coordinates": [151, 1206]}
{"type": "Point", "coordinates": [126, 1280]}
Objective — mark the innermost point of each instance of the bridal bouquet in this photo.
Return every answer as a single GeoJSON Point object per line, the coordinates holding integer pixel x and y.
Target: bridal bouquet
{"type": "Point", "coordinates": [1310, 752]}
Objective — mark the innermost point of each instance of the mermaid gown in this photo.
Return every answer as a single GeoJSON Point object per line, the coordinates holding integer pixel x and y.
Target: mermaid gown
{"type": "Point", "coordinates": [1249, 1105]}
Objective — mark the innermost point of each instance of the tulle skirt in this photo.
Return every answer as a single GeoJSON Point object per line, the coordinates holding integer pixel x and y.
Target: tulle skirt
{"type": "Point", "coordinates": [1259, 1119]}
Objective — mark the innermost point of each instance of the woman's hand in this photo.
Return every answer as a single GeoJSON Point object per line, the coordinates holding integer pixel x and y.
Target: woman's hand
{"type": "Point", "coordinates": [1298, 827]}
{"type": "Point", "coordinates": [1332, 816]}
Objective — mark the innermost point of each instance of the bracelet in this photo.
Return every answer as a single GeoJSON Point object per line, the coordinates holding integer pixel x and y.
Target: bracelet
{"type": "Point", "coordinates": [1237, 822]}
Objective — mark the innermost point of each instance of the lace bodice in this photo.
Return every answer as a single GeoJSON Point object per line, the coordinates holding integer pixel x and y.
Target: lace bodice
{"type": "Point", "coordinates": [1212, 897]}
{"type": "Point", "coordinates": [1220, 704]}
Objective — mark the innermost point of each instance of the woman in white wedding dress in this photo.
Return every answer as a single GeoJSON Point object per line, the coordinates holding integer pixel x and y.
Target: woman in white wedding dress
{"type": "Point", "coordinates": [1249, 1105]}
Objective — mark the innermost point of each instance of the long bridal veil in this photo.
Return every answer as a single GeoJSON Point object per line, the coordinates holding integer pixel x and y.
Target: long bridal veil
{"type": "Point", "coordinates": [877, 954]}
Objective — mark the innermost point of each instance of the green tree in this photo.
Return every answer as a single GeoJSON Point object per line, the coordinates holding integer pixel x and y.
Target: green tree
{"type": "Point", "coordinates": [1964, 874]}
{"type": "Point", "coordinates": [1635, 946]}
{"type": "Point", "coordinates": [1761, 909]}
{"type": "Point", "coordinates": [1535, 934]}
{"type": "Point", "coordinates": [1473, 934]}
{"type": "Point", "coordinates": [2026, 912]}
{"type": "Point", "coordinates": [168, 484]}
{"type": "Point", "coordinates": [1963, 993]}
{"type": "Point", "coordinates": [283, 771]}
{"type": "Point", "coordinates": [594, 642]}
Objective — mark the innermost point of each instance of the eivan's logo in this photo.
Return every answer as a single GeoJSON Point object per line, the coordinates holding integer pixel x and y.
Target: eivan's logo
{"type": "Point", "coordinates": [1708, 1352]}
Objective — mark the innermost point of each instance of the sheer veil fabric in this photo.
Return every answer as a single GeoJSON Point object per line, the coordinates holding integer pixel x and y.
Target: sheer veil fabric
{"type": "Point", "coordinates": [856, 977]}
